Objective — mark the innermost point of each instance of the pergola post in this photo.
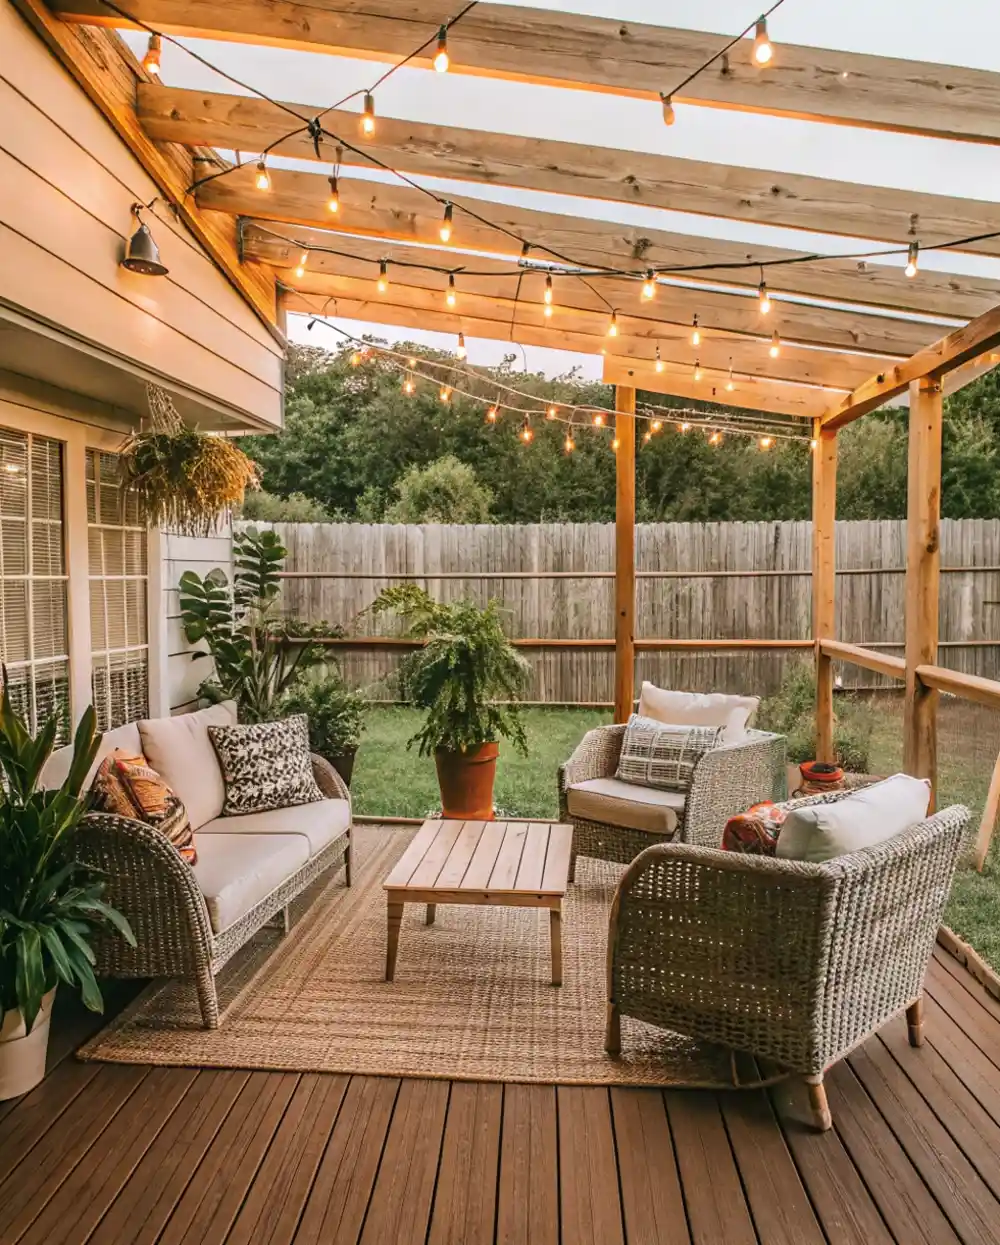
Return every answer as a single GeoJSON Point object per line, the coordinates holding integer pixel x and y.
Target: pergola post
{"type": "Point", "coordinates": [824, 570]}
{"type": "Point", "coordinates": [624, 552]}
{"type": "Point", "coordinates": [923, 572]}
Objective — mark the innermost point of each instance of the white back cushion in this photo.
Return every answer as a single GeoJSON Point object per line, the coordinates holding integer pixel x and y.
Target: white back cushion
{"type": "Point", "coordinates": [181, 752]}
{"type": "Point", "coordinates": [821, 832]}
{"type": "Point", "coordinates": [699, 709]}
{"type": "Point", "coordinates": [57, 767]}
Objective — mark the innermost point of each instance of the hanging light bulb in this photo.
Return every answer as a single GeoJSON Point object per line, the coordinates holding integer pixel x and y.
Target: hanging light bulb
{"type": "Point", "coordinates": [658, 364]}
{"type": "Point", "coordinates": [647, 436]}
{"type": "Point", "coordinates": [368, 115]}
{"type": "Point", "coordinates": [669, 116]}
{"type": "Point", "coordinates": [695, 331]}
{"type": "Point", "coordinates": [451, 298]}
{"type": "Point", "coordinates": [763, 297]}
{"type": "Point", "coordinates": [412, 361]}
{"type": "Point", "coordinates": [300, 271]}
{"type": "Point", "coordinates": [569, 444]}
{"type": "Point", "coordinates": [441, 61]}
{"type": "Point", "coordinates": [355, 358]}
{"type": "Point", "coordinates": [333, 199]}
{"type": "Point", "coordinates": [730, 384]}
{"type": "Point", "coordinates": [911, 259]}
{"type": "Point", "coordinates": [547, 296]}
{"type": "Point", "coordinates": [598, 420]}
{"type": "Point", "coordinates": [813, 443]}
{"type": "Point", "coordinates": [460, 350]}
{"type": "Point", "coordinates": [151, 61]}
{"type": "Point", "coordinates": [615, 443]}
{"type": "Point", "coordinates": [762, 49]}
{"type": "Point", "coordinates": [491, 415]}
{"type": "Point", "coordinates": [765, 443]}
{"type": "Point", "coordinates": [613, 325]}
{"type": "Point", "coordinates": [656, 425]}
{"type": "Point", "coordinates": [551, 413]}
{"type": "Point", "coordinates": [444, 233]}
{"type": "Point", "coordinates": [649, 285]}
{"type": "Point", "coordinates": [383, 276]}
{"type": "Point", "coordinates": [697, 370]}
{"type": "Point", "coordinates": [685, 427]}
{"type": "Point", "coordinates": [444, 393]}
{"type": "Point", "coordinates": [527, 436]}
{"type": "Point", "coordinates": [262, 180]}
{"type": "Point", "coordinates": [775, 348]}
{"type": "Point", "coordinates": [715, 438]}
{"type": "Point", "coordinates": [408, 385]}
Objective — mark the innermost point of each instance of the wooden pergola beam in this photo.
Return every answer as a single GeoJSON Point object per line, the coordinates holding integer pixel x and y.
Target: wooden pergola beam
{"type": "Point", "coordinates": [978, 337]}
{"type": "Point", "coordinates": [605, 55]}
{"type": "Point", "coordinates": [624, 552]}
{"type": "Point", "coordinates": [748, 394]}
{"type": "Point", "coordinates": [824, 579]}
{"type": "Point", "coordinates": [817, 204]}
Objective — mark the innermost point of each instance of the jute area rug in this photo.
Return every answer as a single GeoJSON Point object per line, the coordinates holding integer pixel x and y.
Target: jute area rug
{"type": "Point", "coordinates": [472, 998]}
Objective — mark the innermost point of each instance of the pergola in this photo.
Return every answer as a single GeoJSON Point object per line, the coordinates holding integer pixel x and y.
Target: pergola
{"type": "Point", "coordinates": [854, 334]}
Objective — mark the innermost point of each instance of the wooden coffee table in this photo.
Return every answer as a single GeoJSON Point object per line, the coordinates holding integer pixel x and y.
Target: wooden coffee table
{"type": "Point", "coordinates": [513, 864]}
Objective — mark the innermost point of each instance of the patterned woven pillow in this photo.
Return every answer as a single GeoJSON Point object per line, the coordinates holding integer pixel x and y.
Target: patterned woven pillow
{"type": "Point", "coordinates": [127, 787]}
{"type": "Point", "coordinates": [108, 793]}
{"type": "Point", "coordinates": [656, 754]}
{"type": "Point", "coordinates": [265, 766]}
{"type": "Point", "coordinates": [755, 832]}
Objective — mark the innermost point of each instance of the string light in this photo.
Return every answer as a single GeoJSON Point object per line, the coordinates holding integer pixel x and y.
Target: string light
{"type": "Point", "coordinates": [685, 427]}
{"type": "Point", "coordinates": [613, 325]}
{"type": "Point", "coordinates": [547, 297]}
{"type": "Point", "coordinates": [441, 61]}
{"type": "Point", "coordinates": [383, 276]}
{"type": "Point", "coordinates": [491, 415]}
{"type": "Point", "coordinates": [656, 425]}
{"type": "Point", "coordinates": [649, 285]}
{"type": "Point", "coordinates": [730, 384]}
{"type": "Point", "coordinates": [697, 370]}
{"type": "Point", "coordinates": [527, 436]}
{"type": "Point", "coordinates": [333, 201]}
{"type": "Point", "coordinates": [647, 436]}
{"type": "Point", "coordinates": [444, 233]}
{"type": "Point", "coordinates": [762, 49]}
{"type": "Point", "coordinates": [368, 115]}
{"type": "Point", "coordinates": [412, 361]}
{"type": "Point", "coordinates": [355, 358]}
{"type": "Point", "coordinates": [263, 179]}
{"type": "Point", "coordinates": [775, 348]}
{"type": "Point", "coordinates": [658, 363]}
{"type": "Point", "coordinates": [813, 443]}
{"type": "Point", "coordinates": [300, 271]}
{"type": "Point", "coordinates": [763, 297]}
{"type": "Point", "coordinates": [151, 61]}
{"type": "Point", "coordinates": [765, 443]}
{"type": "Point", "coordinates": [408, 385]}
{"type": "Point", "coordinates": [598, 419]}
{"type": "Point", "coordinates": [569, 444]}
{"type": "Point", "coordinates": [695, 331]}
{"type": "Point", "coordinates": [715, 438]}
{"type": "Point", "coordinates": [444, 393]}
{"type": "Point", "coordinates": [551, 413]}
{"type": "Point", "coordinates": [451, 297]}
{"type": "Point", "coordinates": [669, 116]}
{"type": "Point", "coordinates": [911, 259]}
{"type": "Point", "coordinates": [460, 349]}
{"type": "Point", "coordinates": [615, 443]}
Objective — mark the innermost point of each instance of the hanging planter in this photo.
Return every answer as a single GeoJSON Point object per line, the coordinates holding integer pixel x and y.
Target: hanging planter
{"type": "Point", "coordinates": [182, 478]}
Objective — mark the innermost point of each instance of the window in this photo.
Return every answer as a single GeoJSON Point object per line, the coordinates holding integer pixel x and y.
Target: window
{"type": "Point", "coordinates": [118, 585]}
{"type": "Point", "coordinates": [33, 626]}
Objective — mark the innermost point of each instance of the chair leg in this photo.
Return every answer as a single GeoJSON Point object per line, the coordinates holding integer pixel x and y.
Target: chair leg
{"type": "Point", "coordinates": [818, 1105]}
{"type": "Point", "coordinates": [915, 1022]}
{"type": "Point", "coordinates": [208, 1000]}
{"type": "Point", "coordinates": [572, 866]}
{"type": "Point", "coordinates": [613, 1033]}
{"type": "Point", "coordinates": [349, 858]}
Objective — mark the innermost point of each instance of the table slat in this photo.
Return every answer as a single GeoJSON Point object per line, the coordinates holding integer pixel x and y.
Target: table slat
{"type": "Point", "coordinates": [509, 861]}
{"type": "Point", "coordinates": [426, 873]}
{"type": "Point", "coordinates": [414, 854]}
{"type": "Point", "coordinates": [557, 860]}
{"type": "Point", "coordinates": [477, 875]}
{"type": "Point", "coordinates": [460, 855]}
{"type": "Point", "coordinates": [529, 875]}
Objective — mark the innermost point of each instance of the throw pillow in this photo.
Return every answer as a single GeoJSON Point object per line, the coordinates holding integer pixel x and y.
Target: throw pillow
{"type": "Point", "coordinates": [108, 793]}
{"type": "Point", "coordinates": [178, 748]}
{"type": "Point", "coordinates": [755, 832]}
{"type": "Point", "coordinates": [127, 787]}
{"type": "Point", "coordinates": [657, 754]}
{"type": "Point", "coordinates": [265, 766]}
{"type": "Point", "coordinates": [732, 713]}
{"type": "Point", "coordinates": [831, 827]}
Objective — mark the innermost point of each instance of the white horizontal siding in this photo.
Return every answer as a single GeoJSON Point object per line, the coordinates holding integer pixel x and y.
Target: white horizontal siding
{"type": "Point", "coordinates": [178, 554]}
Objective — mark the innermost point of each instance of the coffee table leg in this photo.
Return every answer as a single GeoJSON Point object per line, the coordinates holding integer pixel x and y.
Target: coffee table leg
{"type": "Point", "coordinates": [555, 935]}
{"type": "Point", "coordinates": [395, 913]}
{"type": "Point", "coordinates": [431, 910]}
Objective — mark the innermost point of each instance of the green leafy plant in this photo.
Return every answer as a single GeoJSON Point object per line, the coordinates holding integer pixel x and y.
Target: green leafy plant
{"type": "Point", "coordinates": [258, 655]}
{"type": "Point", "coordinates": [464, 667]}
{"type": "Point", "coordinates": [336, 714]}
{"type": "Point", "coordinates": [791, 712]}
{"type": "Point", "coordinates": [50, 903]}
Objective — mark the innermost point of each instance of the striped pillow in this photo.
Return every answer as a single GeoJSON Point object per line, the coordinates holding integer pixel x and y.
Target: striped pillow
{"type": "Point", "coordinates": [127, 787]}
{"type": "Point", "coordinates": [655, 754]}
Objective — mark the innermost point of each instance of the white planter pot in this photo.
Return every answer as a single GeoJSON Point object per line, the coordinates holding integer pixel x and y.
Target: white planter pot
{"type": "Point", "coordinates": [22, 1056]}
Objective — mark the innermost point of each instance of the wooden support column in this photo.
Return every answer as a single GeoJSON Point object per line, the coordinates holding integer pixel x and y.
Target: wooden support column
{"type": "Point", "coordinates": [624, 552]}
{"type": "Point", "coordinates": [923, 572]}
{"type": "Point", "coordinates": [824, 570]}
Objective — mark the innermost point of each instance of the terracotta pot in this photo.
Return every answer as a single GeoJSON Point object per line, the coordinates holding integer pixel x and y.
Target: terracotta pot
{"type": "Point", "coordinates": [22, 1056]}
{"type": "Point", "coordinates": [820, 774]}
{"type": "Point", "coordinates": [466, 782]}
{"type": "Point", "coordinates": [343, 763]}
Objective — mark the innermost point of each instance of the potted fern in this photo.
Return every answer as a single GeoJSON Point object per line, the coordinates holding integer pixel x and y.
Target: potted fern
{"type": "Point", "coordinates": [336, 719]}
{"type": "Point", "coordinates": [50, 903]}
{"type": "Point", "coordinates": [467, 676]}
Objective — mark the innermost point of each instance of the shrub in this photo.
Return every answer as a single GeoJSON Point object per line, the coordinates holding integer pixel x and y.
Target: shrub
{"type": "Point", "coordinates": [336, 714]}
{"type": "Point", "coordinates": [791, 712]}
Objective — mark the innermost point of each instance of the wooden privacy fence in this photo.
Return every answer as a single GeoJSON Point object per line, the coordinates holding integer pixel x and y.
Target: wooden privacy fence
{"type": "Point", "coordinates": [696, 583]}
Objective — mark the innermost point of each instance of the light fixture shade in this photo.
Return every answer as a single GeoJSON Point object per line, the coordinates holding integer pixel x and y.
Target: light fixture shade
{"type": "Point", "coordinates": [142, 254]}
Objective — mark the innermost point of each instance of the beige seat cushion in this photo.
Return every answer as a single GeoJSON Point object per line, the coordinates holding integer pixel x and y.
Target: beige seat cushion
{"type": "Point", "coordinates": [181, 752]}
{"type": "Point", "coordinates": [320, 823]}
{"type": "Point", "coordinates": [235, 871]}
{"type": "Point", "coordinates": [624, 804]}
{"type": "Point", "coordinates": [57, 766]}
{"type": "Point", "coordinates": [699, 709]}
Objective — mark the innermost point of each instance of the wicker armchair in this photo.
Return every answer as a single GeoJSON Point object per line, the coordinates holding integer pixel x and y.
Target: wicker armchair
{"type": "Point", "coordinates": [792, 962]}
{"type": "Point", "coordinates": [727, 781]}
{"type": "Point", "coordinates": [156, 890]}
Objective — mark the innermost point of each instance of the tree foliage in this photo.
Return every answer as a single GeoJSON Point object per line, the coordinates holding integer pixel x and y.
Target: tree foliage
{"type": "Point", "coordinates": [445, 491]}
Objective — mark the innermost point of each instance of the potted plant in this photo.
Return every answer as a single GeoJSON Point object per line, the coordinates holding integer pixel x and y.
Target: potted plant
{"type": "Point", "coordinates": [336, 719]}
{"type": "Point", "coordinates": [465, 675]}
{"type": "Point", "coordinates": [49, 902]}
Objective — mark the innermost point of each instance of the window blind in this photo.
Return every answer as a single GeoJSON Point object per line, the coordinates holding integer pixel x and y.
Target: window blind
{"type": "Point", "coordinates": [33, 581]}
{"type": "Point", "coordinates": [119, 574]}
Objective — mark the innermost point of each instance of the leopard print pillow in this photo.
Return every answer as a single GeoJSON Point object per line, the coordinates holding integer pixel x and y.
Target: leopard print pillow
{"type": "Point", "coordinates": [265, 766]}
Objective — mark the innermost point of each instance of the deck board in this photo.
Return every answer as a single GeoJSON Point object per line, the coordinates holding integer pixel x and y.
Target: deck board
{"type": "Point", "coordinates": [115, 1155]}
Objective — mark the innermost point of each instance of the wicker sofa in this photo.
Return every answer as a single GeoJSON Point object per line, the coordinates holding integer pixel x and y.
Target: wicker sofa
{"type": "Point", "coordinates": [189, 921]}
{"type": "Point", "coordinates": [613, 820]}
{"type": "Point", "coordinates": [793, 962]}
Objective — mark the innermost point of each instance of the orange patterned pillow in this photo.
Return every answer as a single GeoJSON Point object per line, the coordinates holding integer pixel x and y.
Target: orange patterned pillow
{"type": "Point", "coordinates": [128, 787]}
{"type": "Point", "coordinates": [110, 795]}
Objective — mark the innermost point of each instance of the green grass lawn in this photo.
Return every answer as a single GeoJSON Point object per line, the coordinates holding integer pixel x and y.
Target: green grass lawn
{"type": "Point", "coordinates": [392, 780]}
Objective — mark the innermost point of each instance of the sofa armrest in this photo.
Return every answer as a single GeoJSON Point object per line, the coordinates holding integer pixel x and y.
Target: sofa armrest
{"type": "Point", "coordinates": [328, 780]}
{"type": "Point", "coordinates": [728, 780]}
{"type": "Point", "coordinates": [155, 890]}
{"type": "Point", "coordinates": [595, 756]}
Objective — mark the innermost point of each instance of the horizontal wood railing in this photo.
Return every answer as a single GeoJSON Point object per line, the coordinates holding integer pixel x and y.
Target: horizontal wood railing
{"type": "Point", "coordinates": [881, 663]}
{"type": "Point", "coordinates": [967, 686]}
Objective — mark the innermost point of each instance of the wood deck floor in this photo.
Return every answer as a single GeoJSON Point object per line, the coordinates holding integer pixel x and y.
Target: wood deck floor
{"type": "Point", "coordinates": [110, 1154]}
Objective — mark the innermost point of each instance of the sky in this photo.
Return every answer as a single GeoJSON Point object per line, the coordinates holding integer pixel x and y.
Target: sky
{"type": "Point", "coordinates": [966, 33]}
